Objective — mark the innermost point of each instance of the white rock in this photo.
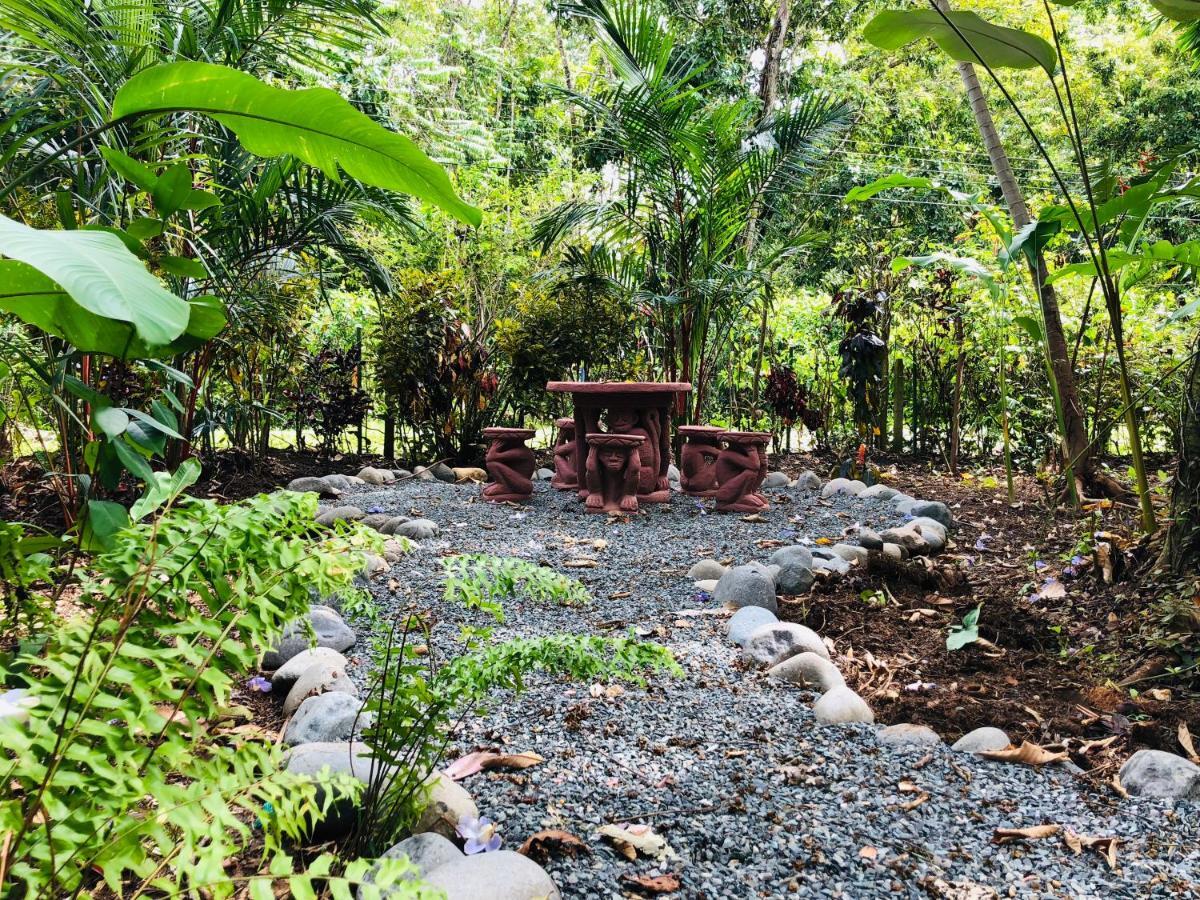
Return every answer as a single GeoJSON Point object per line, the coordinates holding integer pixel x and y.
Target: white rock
{"type": "Point", "coordinates": [500, 875]}
{"type": "Point", "coordinates": [287, 674]}
{"type": "Point", "coordinates": [840, 705]}
{"type": "Point", "coordinates": [808, 481]}
{"type": "Point", "coordinates": [986, 738]}
{"type": "Point", "coordinates": [318, 678]}
{"type": "Point", "coordinates": [746, 621]}
{"type": "Point", "coordinates": [810, 671]}
{"type": "Point", "coordinates": [842, 486]}
{"type": "Point", "coordinates": [771, 644]}
{"type": "Point", "coordinates": [371, 475]}
{"type": "Point", "coordinates": [878, 492]}
{"type": "Point", "coordinates": [447, 803]}
{"type": "Point", "coordinates": [906, 734]}
{"type": "Point", "coordinates": [776, 480]}
{"type": "Point", "coordinates": [746, 586]}
{"type": "Point", "coordinates": [1155, 773]}
{"type": "Point", "coordinates": [708, 585]}
{"type": "Point", "coordinates": [851, 553]}
{"type": "Point", "coordinates": [706, 569]}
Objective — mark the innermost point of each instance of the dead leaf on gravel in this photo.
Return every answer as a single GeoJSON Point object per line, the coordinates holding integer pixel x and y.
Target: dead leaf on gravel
{"type": "Point", "coordinates": [1105, 846]}
{"type": "Point", "coordinates": [908, 787]}
{"type": "Point", "coordinates": [544, 844]}
{"type": "Point", "coordinates": [652, 884]}
{"type": "Point", "coordinates": [631, 840]}
{"type": "Point", "coordinates": [915, 802]}
{"type": "Point", "coordinates": [753, 517]}
{"type": "Point", "coordinates": [475, 762]}
{"type": "Point", "coordinates": [1032, 833]}
{"type": "Point", "coordinates": [581, 562]}
{"type": "Point", "coordinates": [1185, 741]}
{"type": "Point", "coordinates": [869, 853]}
{"type": "Point", "coordinates": [1028, 754]}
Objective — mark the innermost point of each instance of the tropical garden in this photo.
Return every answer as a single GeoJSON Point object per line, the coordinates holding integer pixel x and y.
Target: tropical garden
{"type": "Point", "coordinates": [271, 269]}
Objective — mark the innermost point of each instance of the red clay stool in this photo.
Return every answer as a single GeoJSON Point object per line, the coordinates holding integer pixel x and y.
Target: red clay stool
{"type": "Point", "coordinates": [741, 468]}
{"type": "Point", "coordinates": [612, 471]}
{"type": "Point", "coordinates": [698, 459]}
{"type": "Point", "coordinates": [510, 464]}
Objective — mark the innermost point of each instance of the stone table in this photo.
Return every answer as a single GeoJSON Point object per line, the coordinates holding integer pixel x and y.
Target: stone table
{"type": "Point", "coordinates": [628, 407]}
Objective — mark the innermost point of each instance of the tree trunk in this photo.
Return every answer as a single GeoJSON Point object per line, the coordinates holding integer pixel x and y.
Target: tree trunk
{"type": "Point", "coordinates": [898, 404]}
{"type": "Point", "coordinates": [1182, 551]}
{"type": "Point", "coordinates": [768, 87]}
{"type": "Point", "coordinates": [1075, 448]}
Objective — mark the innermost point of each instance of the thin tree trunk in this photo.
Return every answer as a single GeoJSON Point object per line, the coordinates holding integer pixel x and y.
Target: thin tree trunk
{"type": "Point", "coordinates": [1075, 446]}
{"type": "Point", "coordinates": [568, 78]}
{"type": "Point", "coordinates": [1182, 551]}
{"type": "Point", "coordinates": [898, 404]}
{"type": "Point", "coordinates": [956, 398]}
{"type": "Point", "coordinates": [768, 88]}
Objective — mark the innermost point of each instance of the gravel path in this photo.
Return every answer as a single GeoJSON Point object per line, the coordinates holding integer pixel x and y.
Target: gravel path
{"type": "Point", "coordinates": [754, 797]}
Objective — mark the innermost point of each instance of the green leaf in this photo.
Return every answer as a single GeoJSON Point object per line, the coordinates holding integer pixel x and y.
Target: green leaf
{"type": "Point", "coordinates": [1178, 10]}
{"type": "Point", "coordinates": [111, 421]}
{"type": "Point", "coordinates": [130, 169]}
{"type": "Point", "coordinates": [164, 487]}
{"type": "Point", "coordinates": [890, 182]}
{"type": "Point", "coordinates": [38, 300]}
{"type": "Point", "coordinates": [1031, 327]}
{"type": "Point", "coordinates": [104, 520]}
{"type": "Point", "coordinates": [144, 228]}
{"type": "Point", "coordinates": [999, 47]}
{"type": "Point", "coordinates": [315, 124]}
{"type": "Point", "coordinates": [183, 266]}
{"type": "Point", "coordinates": [100, 275]}
{"type": "Point", "coordinates": [171, 189]}
{"type": "Point", "coordinates": [133, 461]}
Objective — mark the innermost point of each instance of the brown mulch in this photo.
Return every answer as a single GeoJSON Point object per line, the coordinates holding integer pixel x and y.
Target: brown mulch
{"type": "Point", "coordinates": [1073, 671]}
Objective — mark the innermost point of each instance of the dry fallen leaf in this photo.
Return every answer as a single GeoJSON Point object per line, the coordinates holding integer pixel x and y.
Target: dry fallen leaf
{"type": "Point", "coordinates": [1028, 754]}
{"type": "Point", "coordinates": [630, 840]}
{"type": "Point", "coordinates": [1032, 833]}
{"type": "Point", "coordinates": [1185, 741]}
{"type": "Point", "coordinates": [542, 845]}
{"type": "Point", "coordinates": [486, 759]}
{"type": "Point", "coordinates": [869, 853]}
{"type": "Point", "coordinates": [581, 562]}
{"type": "Point", "coordinates": [1105, 846]}
{"type": "Point", "coordinates": [652, 884]}
{"type": "Point", "coordinates": [908, 787]}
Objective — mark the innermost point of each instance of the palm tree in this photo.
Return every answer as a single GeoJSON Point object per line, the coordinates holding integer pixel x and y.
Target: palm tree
{"type": "Point", "coordinates": [691, 178]}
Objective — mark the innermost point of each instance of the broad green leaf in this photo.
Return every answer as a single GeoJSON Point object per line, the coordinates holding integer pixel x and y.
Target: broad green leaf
{"type": "Point", "coordinates": [1183, 312]}
{"type": "Point", "coordinates": [164, 487]}
{"type": "Point", "coordinates": [130, 169]}
{"type": "Point", "coordinates": [111, 420]}
{"type": "Point", "coordinates": [1178, 10]}
{"type": "Point", "coordinates": [964, 264]}
{"type": "Point", "coordinates": [133, 461]}
{"type": "Point", "coordinates": [1031, 327]}
{"type": "Point", "coordinates": [964, 38]}
{"type": "Point", "coordinates": [38, 300]}
{"type": "Point", "coordinates": [315, 124]}
{"type": "Point", "coordinates": [100, 275]}
{"type": "Point", "coordinates": [104, 520]}
{"type": "Point", "coordinates": [890, 182]}
{"type": "Point", "coordinates": [168, 189]}
{"type": "Point", "coordinates": [183, 266]}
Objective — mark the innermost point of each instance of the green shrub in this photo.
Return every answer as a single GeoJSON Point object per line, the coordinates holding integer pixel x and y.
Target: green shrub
{"type": "Point", "coordinates": [129, 763]}
{"type": "Point", "coordinates": [479, 580]}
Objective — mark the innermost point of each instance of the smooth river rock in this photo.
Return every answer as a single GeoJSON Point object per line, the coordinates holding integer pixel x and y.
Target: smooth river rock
{"type": "Point", "coordinates": [746, 621]}
{"type": "Point", "coordinates": [906, 734]}
{"type": "Point", "coordinates": [985, 738]}
{"type": "Point", "coordinates": [1156, 773]}
{"type": "Point", "coordinates": [771, 644]}
{"type": "Point", "coordinates": [746, 586]}
{"type": "Point", "coordinates": [840, 705]}
{"type": "Point", "coordinates": [808, 670]}
{"type": "Point", "coordinates": [500, 875]}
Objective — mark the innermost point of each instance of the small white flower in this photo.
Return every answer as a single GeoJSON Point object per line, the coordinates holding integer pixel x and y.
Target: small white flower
{"type": "Point", "coordinates": [16, 704]}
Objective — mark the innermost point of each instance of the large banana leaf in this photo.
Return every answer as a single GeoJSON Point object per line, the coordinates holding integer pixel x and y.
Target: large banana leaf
{"type": "Point", "coordinates": [314, 124]}
{"type": "Point", "coordinates": [95, 270]}
{"type": "Point", "coordinates": [1000, 48]}
{"type": "Point", "coordinates": [38, 300]}
{"type": "Point", "coordinates": [1178, 10]}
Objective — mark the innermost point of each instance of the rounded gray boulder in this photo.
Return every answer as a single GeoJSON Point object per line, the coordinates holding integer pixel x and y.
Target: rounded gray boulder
{"type": "Point", "coordinates": [289, 673]}
{"type": "Point", "coordinates": [840, 705]}
{"type": "Point", "coordinates": [771, 644]}
{"type": "Point", "coordinates": [746, 621]}
{"type": "Point", "coordinates": [327, 717]}
{"type": "Point", "coordinates": [746, 586]}
{"type": "Point", "coordinates": [339, 514]}
{"type": "Point", "coordinates": [500, 875]}
{"type": "Point", "coordinates": [906, 734]}
{"type": "Point", "coordinates": [706, 569]}
{"type": "Point", "coordinates": [417, 529]}
{"type": "Point", "coordinates": [985, 738]}
{"type": "Point", "coordinates": [808, 670]}
{"type": "Point", "coordinates": [1156, 773]}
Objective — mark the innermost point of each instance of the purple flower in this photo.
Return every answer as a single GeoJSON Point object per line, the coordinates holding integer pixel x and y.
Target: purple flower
{"type": "Point", "coordinates": [258, 683]}
{"type": "Point", "coordinates": [700, 506]}
{"type": "Point", "coordinates": [16, 704]}
{"type": "Point", "coordinates": [787, 534]}
{"type": "Point", "coordinates": [703, 596]}
{"type": "Point", "coordinates": [479, 834]}
{"type": "Point", "coordinates": [981, 543]}
{"type": "Point", "coordinates": [374, 509]}
{"type": "Point", "coordinates": [1070, 572]}
{"type": "Point", "coordinates": [1039, 565]}
{"type": "Point", "coordinates": [1077, 560]}
{"type": "Point", "coordinates": [908, 517]}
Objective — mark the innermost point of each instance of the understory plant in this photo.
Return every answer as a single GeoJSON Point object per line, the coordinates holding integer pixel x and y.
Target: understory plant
{"type": "Point", "coordinates": [128, 761]}
{"type": "Point", "coordinates": [415, 706]}
{"type": "Point", "coordinates": [479, 581]}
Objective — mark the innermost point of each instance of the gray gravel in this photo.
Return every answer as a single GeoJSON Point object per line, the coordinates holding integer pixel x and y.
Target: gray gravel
{"type": "Point", "coordinates": [757, 800]}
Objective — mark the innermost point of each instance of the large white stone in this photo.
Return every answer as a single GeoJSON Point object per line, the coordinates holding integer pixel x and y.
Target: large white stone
{"type": "Point", "coordinates": [771, 644]}
{"type": "Point", "coordinates": [808, 670]}
{"type": "Point", "coordinates": [448, 802]}
{"type": "Point", "coordinates": [985, 738]}
{"type": "Point", "coordinates": [746, 621]}
{"type": "Point", "coordinates": [840, 705]}
{"type": "Point", "coordinates": [906, 734]}
{"type": "Point", "coordinates": [706, 569]}
{"type": "Point", "coordinates": [500, 875]}
{"type": "Point", "coordinates": [842, 486]}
